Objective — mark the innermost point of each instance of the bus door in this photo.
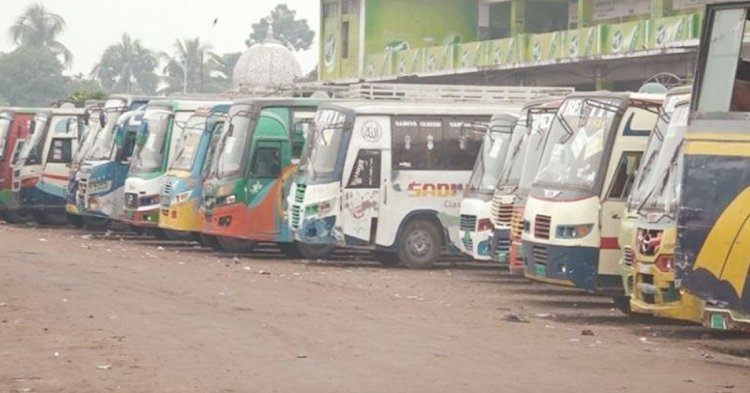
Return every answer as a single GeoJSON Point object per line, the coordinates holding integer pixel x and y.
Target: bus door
{"type": "Point", "coordinates": [364, 193]}
{"type": "Point", "coordinates": [62, 148]}
{"type": "Point", "coordinates": [622, 170]}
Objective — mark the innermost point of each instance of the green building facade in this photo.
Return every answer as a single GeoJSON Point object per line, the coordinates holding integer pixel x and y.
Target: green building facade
{"type": "Point", "coordinates": [390, 39]}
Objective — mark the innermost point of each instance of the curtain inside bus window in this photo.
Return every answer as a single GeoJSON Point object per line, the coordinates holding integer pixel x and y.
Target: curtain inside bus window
{"type": "Point", "coordinates": [720, 69]}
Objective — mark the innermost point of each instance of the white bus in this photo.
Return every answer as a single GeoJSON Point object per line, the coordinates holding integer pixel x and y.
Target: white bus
{"type": "Point", "coordinates": [572, 217]}
{"type": "Point", "coordinates": [475, 226]}
{"type": "Point", "coordinates": [386, 176]}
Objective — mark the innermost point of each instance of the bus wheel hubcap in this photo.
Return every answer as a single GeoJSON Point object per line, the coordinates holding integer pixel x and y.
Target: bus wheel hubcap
{"type": "Point", "coordinates": [419, 243]}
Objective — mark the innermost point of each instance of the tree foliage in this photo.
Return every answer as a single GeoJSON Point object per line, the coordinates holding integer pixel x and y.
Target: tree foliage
{"type": "Point", "coordinates": [223, 68]}
{"type": "Point", "coordinates": [127, 67]}
{"type": "Point", "coordinates": [31, 76]}
{"type": "Point", "coordinates": [292, 32]}
{"type": "Point", "coordinates": [195, 58]}
{"type": "Point", "coordinates": [39, 28]}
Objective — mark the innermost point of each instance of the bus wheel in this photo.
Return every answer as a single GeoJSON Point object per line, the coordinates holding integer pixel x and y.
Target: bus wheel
{"type": "Point", "coordinates": [316, 251]}
{"type": "Point", "coordinates": [17, 216]}
{"type": "Point", "coordinates": [76, 220]}
{"type": "Point", "coordinates": [177, 235]}
{"type": "Point", "coordinates": [96, 223]}
{"type": "Point", "coordinates": [290, 250]}
{"type": "Point", "coordinates": [238, 246]}
{"type": "Point", "coordinates": [420, 244]}
{"type": "Point", "coordinates": [210, 241]}
{"type": "Point", "coordinates": [55, 218]}
{"type": "Point", "coordinates": [386, 258]}
{"type": "Point", "coordinates": [622, 303]}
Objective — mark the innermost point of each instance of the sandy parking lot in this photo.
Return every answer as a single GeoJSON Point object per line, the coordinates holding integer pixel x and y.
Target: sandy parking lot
{"type": "Point", "coordinates": [82, 313]}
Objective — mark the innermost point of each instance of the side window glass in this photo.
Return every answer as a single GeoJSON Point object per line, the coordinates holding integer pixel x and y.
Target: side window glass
{"type": "Point", "coordinates": [128, 147]}
{"type": "Point", "coordinates": [366, 170]}
{"type": "Point", "coordinates": [61, 151]}
{"type": "Point", "coordinates": [17, 151]}
{"type": "Point", "coordinates": [417, 143]}
{"type": "Point", "coordinates": [460, 148]}
{"type": "Point", "coordinates": [625, 175]}
{"type": "Point", "coordinates": [725, 83]}
{"type": "Point", "coordinates": [301, 123]}
{"type": "Point", "coordinates": [266, 163]}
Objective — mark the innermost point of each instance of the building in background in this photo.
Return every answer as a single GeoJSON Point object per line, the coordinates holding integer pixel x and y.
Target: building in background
{"type": "Point", "coordinates": [614, 44]}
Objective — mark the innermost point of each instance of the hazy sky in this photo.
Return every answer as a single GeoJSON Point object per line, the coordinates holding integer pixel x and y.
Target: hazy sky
{"type": "Point", "coordinates": [95, 24]}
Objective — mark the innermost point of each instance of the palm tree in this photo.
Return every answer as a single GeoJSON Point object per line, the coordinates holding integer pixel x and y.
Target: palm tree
{"type": "Point", "coordinates": [223, 68]}
{"type": "Point", "coordinates": [37, 27]}
{"type": "Point", "coordinates": [195, 56]}
{"type": "Point", "coordinates": [127, 67]}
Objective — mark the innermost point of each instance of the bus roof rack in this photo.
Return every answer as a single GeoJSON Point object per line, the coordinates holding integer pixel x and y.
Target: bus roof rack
{"type": "Point", "coordinates": [472, 93]}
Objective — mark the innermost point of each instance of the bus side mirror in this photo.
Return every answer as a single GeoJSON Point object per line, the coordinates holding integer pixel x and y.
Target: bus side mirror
{"type": "Point", "coordinates": [102, 119]}
{"type": "Point", "coordinates": [86, 117]}
{"type": "Point", "coordinates": [32, 126]}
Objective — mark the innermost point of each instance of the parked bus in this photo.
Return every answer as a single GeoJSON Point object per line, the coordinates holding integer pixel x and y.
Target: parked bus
{"type": "Point", "coordinates": [572, 217]}
{"type": "Point", "coordinates": [515, 181]}
{"type": "Point", "coordinates": [161, 129]}
{"type": "Point", "coordinates": [387, 177]}
{"type": "Point", "coordinates": [642, 186]}
{"type": "Point", "coordinates": [15, 126]}
{"type": "Point", "coordinates": [182, 188]}
{"type": "Point", "coordinates": [475, 226]}
{"type": "Point", "coordinates": [245, 192]}
{"type": "Point", "coordinates": [654, 290]}
{"type": "Point", "coordinates": [713, 254]}
{"type": "Point", "coordinates": [40, 178]}
{"type": "Point", "coordinates": [101, 183]}
{"type": "Point", "coordinates": [96, 188]}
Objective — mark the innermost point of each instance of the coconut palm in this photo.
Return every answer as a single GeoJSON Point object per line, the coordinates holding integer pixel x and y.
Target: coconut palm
{"type": "Point", "coordinates": [223, 68]}
{"type": "Point", "coordinates": [37, 27]}
{"type": "Point", "coordinates": [195, 56]}
{"type": "Point", "coordinates": [127, 67]}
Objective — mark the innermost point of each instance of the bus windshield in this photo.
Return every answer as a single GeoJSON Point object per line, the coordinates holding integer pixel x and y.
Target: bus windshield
{"type": "Point", "coordinates": [31, 154]}
{"type": "Point", "coordinates": [149, 156]}
{"type": "Point", "coordinates": [491, 157]}
{"type": "Point", "coordinates": [229, 154]}
{"type": "Point", "coordinates": [104, 141]}
{"type": "Point", "coordinates": [5, 122]}
{"type": "Point", "coordinates": [576, 145]}
{"type": "Point", "coordinates": [322, 153]}
{"type": "Point", "coordinates": [526, 150]}
{"type": "Point", "coordinates": [187, 148]}
{"type": "Point", "coordinates": [663, 193]}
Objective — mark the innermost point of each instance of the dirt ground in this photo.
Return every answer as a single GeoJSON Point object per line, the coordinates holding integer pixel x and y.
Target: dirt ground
{"type": "Point", "coordinates": [82, 313]}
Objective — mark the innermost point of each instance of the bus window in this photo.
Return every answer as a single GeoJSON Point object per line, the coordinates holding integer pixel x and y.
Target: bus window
{"type": "Point", "coordinates": [724, 84]}
{"type": "Point", "coordinates": [366, 170]}
{"type": "Point", "coordinates": [625, 174]}
{"type": "Point", "coordinates": [267, 163]}
{"type": "Point", "coordinates": [61, 151]}
{"type": "Point", "coordinates": [417, 142]}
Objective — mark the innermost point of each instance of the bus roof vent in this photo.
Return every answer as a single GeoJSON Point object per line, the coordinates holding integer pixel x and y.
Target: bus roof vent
{"type": "Point", "coordinates": [453, 93]}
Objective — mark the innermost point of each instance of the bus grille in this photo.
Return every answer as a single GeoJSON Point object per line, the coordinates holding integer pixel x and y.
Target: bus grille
{"type": "Point", "coordinates": [299, 195]}
{"type": "Point", "coordinates": [468, 223]}
{"type": "Point", "coordinates": [627, 256]}
{"type": "Point", "coordinates": [504, 214]}
{"type": "Point", "coordinates": [542, 226]}
{"type": "Point", "coordinates": [516, 224]}
{"type": "Point", "coordinates": [541, 255]}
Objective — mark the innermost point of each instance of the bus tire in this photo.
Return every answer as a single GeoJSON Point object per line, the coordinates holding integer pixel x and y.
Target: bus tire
{"type": "Point", "coordinates": [386, 258]}
{"type": "Point", "coordinates": [316, 251]}
{"type": "Point", "coordinates": [622, 303]}
{"type": "Point", "coordinates": [290, 250]}
{"type": "Point", "coordinates": [96, 223]}
{"type": "Point", "coordinates": [17, 216]}
{"type": "Point", "coordinates": [420, 244]}
{"type": "Point", "coordinates": [76, 220]}
{"type": "Point", "coordinates": [54, 218]}
{"type": "Point", "coordinates": [210, 241]}
{"type": "Point", "coordinates": [237, 246]}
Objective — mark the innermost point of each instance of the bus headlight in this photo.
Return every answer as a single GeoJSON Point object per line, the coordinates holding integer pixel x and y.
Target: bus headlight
{"type": "Point", "coordinates": [573, 231]}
